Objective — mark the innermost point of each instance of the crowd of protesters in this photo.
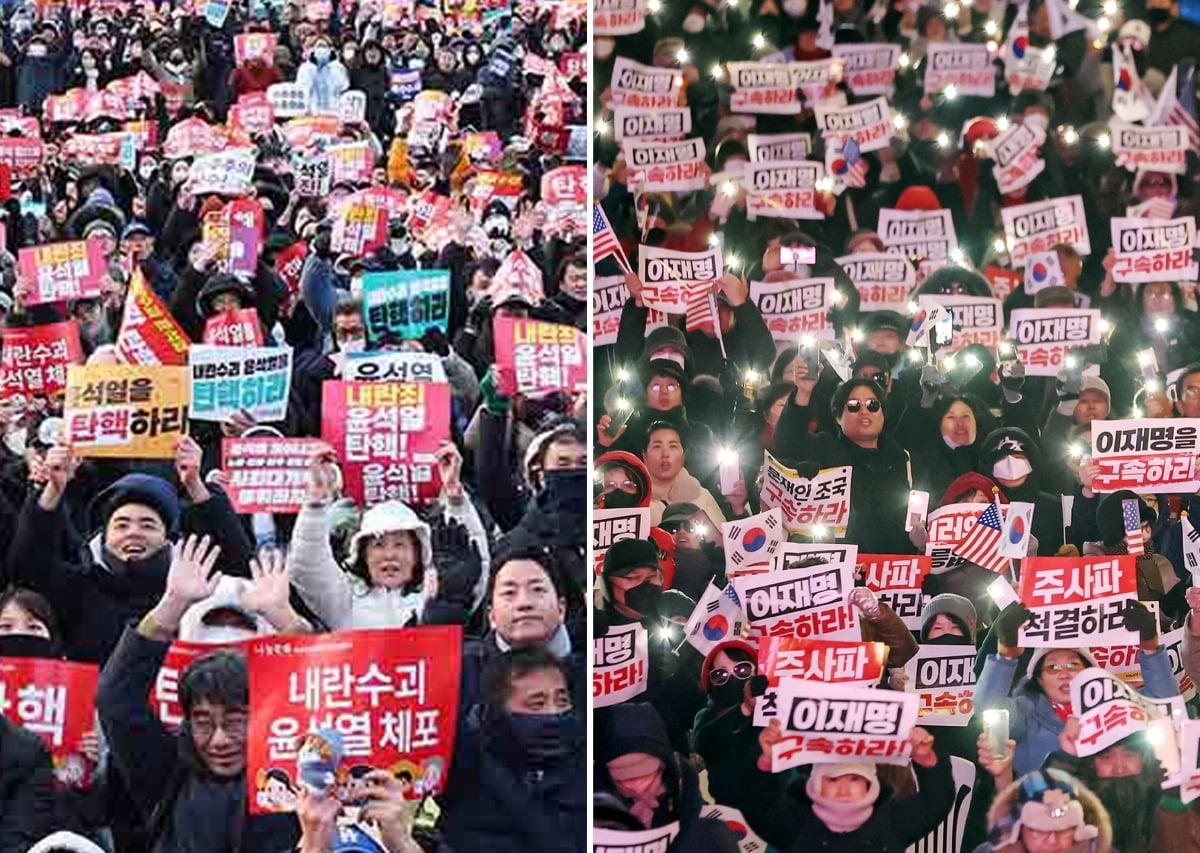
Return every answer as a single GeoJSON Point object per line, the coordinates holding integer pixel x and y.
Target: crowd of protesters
{"type": "Point", "coordinates": [463, 109]}
{"type": "Point", "coordinates": [704, 405]}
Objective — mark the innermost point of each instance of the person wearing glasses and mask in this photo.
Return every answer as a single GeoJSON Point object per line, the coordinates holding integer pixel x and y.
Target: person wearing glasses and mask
{"type": "Point", "coordinates": [1039, 705]}
{"type": "Point", "coordinates": [882, 469]}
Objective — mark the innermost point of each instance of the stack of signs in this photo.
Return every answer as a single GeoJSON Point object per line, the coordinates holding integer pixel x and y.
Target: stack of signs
{"type": "Point", "coordinates": [126, 411]}
{"type": "Point", "coordinates": [535, 358]}
{"type": "Point", "coordinates": [1154, 249]}
{"type": "Point", "coordinates": [247, 380]}
{"type": "Point", "coordinates": [925, 235]}
{"type": "Point", "coordinates": [672, 281]}
{"type": "Point", "coordinates": [977, 319]}
{"type": "Point", "coordinates": [752, 542]}
{"type": "Point", "coordinates": [883, 280]}
{"type": "Point", "coordinates": [796, 309]}
{"type": "Point", "coordinates": [667, 166]}
{"type": "Point", "coordinates": [896, 581]}
{"type": "Point", "coordinates": [1076, 601]}
{"type": "Point", "coordinates": [785, 189]}
{"type": "Point", "coordinates": [391, 694]}
{"type": "Point", "coordinates": [808, 602]}
{"type": "Point", "coordinates": [34, 359]}
{"type": "Point", "coordinates": [63, 271]}
{"type": "Point", "coordinates": [823, 501]}
{"type": "Point", "coordinates": [404, 305]}
{"type": "Point", "coordinates": [943, 679]}
{"type": "Point", "coordinates": [393, 366]}
{"type": "Point", "coordinates": [268, 474]}
{"type": "Point", "coordinates": [55, 700]}
{"type": "Point", "coordinates": [386, 434]}
{"type": "Point", "coordinates": [1146, 455]}
{"type": "Point", "coordinates": [613, 525]}
{"type": "Point", "coordinates": [637, 85]}
{"type": "Point", "coordinates": [620, 665]}
{"type": "Point", "coordinates": [1038, 226]}
{"type": "Point", "coordinates": [966, 67]}
{"type": "Point", "coordinates": [1017, 156]}
{"type": "Point", "coordinates": [868, 69]}
{"type": "Point", "coordinates": [1042, 336]}
{"type": "Point", "coordinates": [1151, 149]}
{"type": "Point", "coordinates": [848, 662]}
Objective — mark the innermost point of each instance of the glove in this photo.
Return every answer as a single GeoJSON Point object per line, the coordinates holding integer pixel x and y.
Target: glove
{"type": "Point", "coordinates": [931, 586]}
{"type": "Point", "coordinates": [758, 685]}
{"type": "Point", "coordinates": [867, 603]}
{"type": "Point", "coordinates": [1012, 379]}
{"type": "Point", "coordinates": [932, 381]}
{"type": "Point", "coordinates": [435, 342]}
{"type": "Point", "coordinates": [1068, 384]}
{"type": "Point", "coordinates": [457, 562]}
{"type": "Point", "coordinates": [1139, 618]}
{"type": "Point", "coordinates": [1009, 621]}
{"type": "Point", "coordinates": [493, 400]}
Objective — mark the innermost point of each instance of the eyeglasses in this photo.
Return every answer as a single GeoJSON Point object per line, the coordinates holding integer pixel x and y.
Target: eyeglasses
{"type": "Point", "coordinates": [234, 723]}
{"type": "Point", "coordinates": [1073, 666]}
{"type": "Point", "coordinates": [670, 387]}
{"type": "Point", "coordinates": [855, 406]}
{"type": "Point", "coordinates": [741, 671]}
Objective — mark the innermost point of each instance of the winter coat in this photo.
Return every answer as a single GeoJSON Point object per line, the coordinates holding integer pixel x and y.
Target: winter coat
{"type": "Point", "coordinates": [26, 789]}
{"type": "Point", "coordinates": [323, 85]}
{"type": "Point", "coordinates": [728, 743]}
{"type": "Point", "coordinates": [1031, 719]}
{"type": "Point", "coordinates": [1093, 814]}
{"type": "Point", "coordinates": [683, 489]}
{"type": "Point", "coordinates": [188, 809]}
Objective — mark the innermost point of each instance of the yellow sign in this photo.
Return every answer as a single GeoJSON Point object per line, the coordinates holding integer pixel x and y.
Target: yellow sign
{"type": "Point", "coordinates": [128, 411]}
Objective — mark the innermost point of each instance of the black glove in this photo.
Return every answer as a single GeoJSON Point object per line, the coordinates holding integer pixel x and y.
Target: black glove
{"type": "Point", "coordinates": [1139, 618]}
{"type": "Point", "coordinates": [1012, 379]}
{"type": "Point", "coordinates": [758, 685]}
{"type": "Point", "coordinates": [1009, 621]}
{"type": "Point", "coordinates": [932, 382]}
{"type": "Point", "coordinates": [457, 562]}
{"type": "Point", "coordinates": [435, 342]}
{"type": "Point", "coordinates": [932, 585]}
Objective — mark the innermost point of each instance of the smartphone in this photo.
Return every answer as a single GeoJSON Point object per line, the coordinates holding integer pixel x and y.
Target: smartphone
{"type": "Point", "coordinates": [620, 417]}
{"type": "Point", "coordinates": [995, 729]}
{"type": "Point", "coordinates": [730, 470]}
{"type": "Point", "coordinates": [943, 331]}
{"type": "Point", "coordinates": [1002, 593]}
{"type": "Point", "coordinates": [795, 255]}
{"type": "Point", "coordinates": [918, 508]}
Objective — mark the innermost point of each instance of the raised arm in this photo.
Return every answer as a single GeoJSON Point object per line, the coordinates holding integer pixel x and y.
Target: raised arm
{"type": "Point", "coordinates": [314, 571]}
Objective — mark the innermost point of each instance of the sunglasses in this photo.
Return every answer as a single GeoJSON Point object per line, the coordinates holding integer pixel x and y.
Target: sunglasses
{"type": "Point", "coordinates": [741, 671]}
{"type": "Point", "coordinates": [855, 406]}
{"type": "Point", "coordinates": [875, 377]}
{"type": "Point", "coordinates": [675, 526]}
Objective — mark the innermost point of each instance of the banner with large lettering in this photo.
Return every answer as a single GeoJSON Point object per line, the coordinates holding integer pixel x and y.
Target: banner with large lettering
{"type": "Point", "coordinates": [807, 504]}
{"type": "Point", "coordinates": [403, 305]}
{"type": "Point", "coordinates": [896, 581]}
{"type": "Point", "coordinates": [1039, 225]}
{"type": "Point", "coordinates": [637, 85]}
{"type": "Point", "coordinates": [55, 700]}
{"type": "Point", "coordinates": [620, 665]}
{"type": "Point", "coordinates": [945, 528]}
{"type": "Point", "coordinates": [62, 271]}
{"type": "Point", "coordinates": [783, 190]}
{"type": "Point", "coordinates": [796, 309]}
{"type": "Point", "coordinates": [1154, 249]}
{"type": "Point", "coordinates": [1152, 149]}
{"type": "Point", "coordinates": [1108, 710]}
{"type": "Point", "coordinates": [672, 280]}
{"type": "Point", "coordinates": [924, 234]}
{"type": "Point", "coordinates": [126, 411]}
{"type": "Point", "coordinates": [613, 525]}
{"type": "Point", "coordinates": [1016, 155]}
{"type": "Point", "coordinates": [34, 359]}
{"type": "Point", "coordinates": [535, 358]}
{"type": "Point", "coordinates": [1042, 336]}
{"type": "Point", "coordinates": [883, 279]}
{"type": "Point", "coordinates": [1077, 601]}
{"type": "Point", "coordinates": [667, 166]}
{"type": "Point", "coordinates": [808, 602]}
{"type": "Point", "coordinates": [268, 474]}
{"type": "Point", "coordinates": [618, 17]}
{"type": "Point", "coordinates": [777, 88]}
{"type": "Point", "coordinates": [662, 123]}
{"type": "Point", "coordinates": [393, 366]}
{"type": "Point", "coordinates": [943, 679]}
{"type": "Point", "coordinates": [855, 663]}
{"type": "Point", "coordinates": [869, 124]}
{"type": "Point", "coordinates": [1146, 455]}
{"type": "Point", "coordinates": [776, 147]}
{"type": "Point", "coordinates": [977, 319]}
{"type": "Point", "coordinates": [966, 67]}
{"type": "Point", "coordinates": [868, 69]}
{"type": "Point", "coordinates": [229, 380]}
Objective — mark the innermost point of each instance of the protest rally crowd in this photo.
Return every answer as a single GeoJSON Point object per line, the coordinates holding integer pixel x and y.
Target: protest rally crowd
{"type": "Point", "coordinates": [896, 403]}
{"type": "Point", "coordinates": [293, 469]}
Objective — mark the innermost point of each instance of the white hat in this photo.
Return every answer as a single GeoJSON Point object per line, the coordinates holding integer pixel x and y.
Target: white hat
{"type": "Point", "coordinates": [65, 841]}
{"type": "Point", "coordinates": [1135, 30]}
{"type": "Point", "coordinates": [389, 517]}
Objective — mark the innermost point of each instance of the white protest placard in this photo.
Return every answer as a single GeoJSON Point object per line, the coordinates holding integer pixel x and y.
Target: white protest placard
{"type": "Point", "coordinates": [662, 123]}
{"type": "Point", "coordinates": [1189, 744]}
{"type": "Point", "coordinates": [884, 280]}
{"type": "Point", "coordinates": [777, 87]}
{"type": "Point", "coordinates": [856, 663]}
{"type": "Point", "coordinates": [868, 69]}
{"type": "Point", "coordinates": [620, 665]}
{"type": "Point", "coordinates": [1108, 710]}
{"type": "Point", "coordinates": [945, 528]}
{"type": "Point", "coordinates": [786, 189]}
{"type": "Point", "coordinates": [637, 85]}
{"type": "Point", "coordinates": [776, 147]}
{"type": "Point", "coordinates": [796, 308]}
{"type": "Point", "coordinates": [229, 172]}
{"type": "Point", "coordinates": [1153, 149]}
{"type": "Point", "coordinates": [869, 124]}
{"type": "Point", "coordinates": [896, 581]}
{"type": "Point", "coordinates": [394, 366]}
{"type": "Point", "coordinates": [314, 175]}
{"type": "Point", "coordinates": [613, 525]}
{"type": "Point", "coordinates": [753, 540]}
{"type": "Point", "coordinates": [1039, 225]}
{"type": "Point", "coordinates": [924, 234]}
{"type": "Point", "coordinates": [1146, 455]}
{"type": "Point", "coordinates": [977, 319]}
{"type": "Point", "coordinates": [748, 841]}
{"type": "Point", "coordinates": [228, 380]}
{"type": "Point", "coordinates": [1042, 336]}
{"type": "Point", "coordinates": [1154, 249]}
{"type": "Point", "coordinates": [1033, 69]}
{"type": "Point", "coordinates": [820, 502]}
{"type": "Point", "coordinates": [966, 67]}
{"type": "Point", "coordinates": [835, 723]}
{"type": "Point", "coordinates": [1125, 663]}
{"type": "Point", "coordinates": [672, 280]}
{"type": "Point", "coordinates": [646, 841]}
{"type": "Point", "coordinates": [1017, 156]}
{"type": "Point", "coordinates": [840, 555]}
{"type": "Point", "coordinates": [667, 166]}
{"type": "Point", "coordinates": [943, 679]}
{"type": "Point", "coordinates": [808, 602]}
{"type": "Point", "coordinates": [288, 100]}
{"type": "Point", "coordinates": [1077, 600]}
{"type": "Point", "coordinates": [352, 107]}
{"type": "Point", "coordinates": [618, 17]}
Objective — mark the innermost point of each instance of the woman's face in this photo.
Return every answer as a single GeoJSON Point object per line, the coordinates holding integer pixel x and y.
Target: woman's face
{"type": "Point", "coordinates": [664, 393]}
{"type": "Point", "coordinates": [858, 422]}
{"type": "Point", "coordinates": [1154, 185]}
{"type": "Point", "coordinates": [776, 412]}
{"type": "Point", "coordinates": [618, 478]}
{"type": "Point", "coordinates": [942, 626]}
{"type": "Point", "coordinates": [664, 454]}
{"type": "Point", "coordinates": [847, 788]}
{"type": "Point", "coordinates": [958, 424]}
{"type": "Point", "coordinates": [1157, 299]}
{"type": "Point", "coordinates": [392, 559]}
{"type": "Point", "coordinates": [16, 620]}
{"type": "Point", "coordinates": [1059, 669]}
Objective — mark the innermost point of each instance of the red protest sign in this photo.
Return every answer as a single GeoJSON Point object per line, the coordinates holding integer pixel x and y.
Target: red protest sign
{"type": "Point", "coordinates": [391, 694]}
{"type": "Point", "coordinates": [164, 695]}
{"type": "Point", "coordinates": [63, 270]}
{"type": "Point", "coordinates": [252, 113]}
{"type": "Point", "coordinates": [56, 700]}
{"type": "Point", "coordinates": [534, 358]}
{"type": "Point", "coordinates": [96, 149]}
{"type": "Point", "coordinates": [289, 263]}
{"type": "Point", "coordinates": [247, 46]}
{"type": "Point", "coordinates": [896, 580]}
{"type": "Point", "coordinates": [149, 333]}
{"type": "Point", "coordinates": [234, 232]}
{"type": "Point", "coordinates": [351, 163]}
{"type": "Point", "coordinates": [22, 155]}
{"type": "Point", "coordinates": [833, 661]}
{"type": "Point", "coordinates": [1077, 601]}
{"type": "Point", "coordinates": [237, 328]}
{"type": "Point", "coordinates": [34, 359]}
{"type": "Point", "coordinates": [359, 230]}
{"type": "Point", "coordinates": [268, 474]}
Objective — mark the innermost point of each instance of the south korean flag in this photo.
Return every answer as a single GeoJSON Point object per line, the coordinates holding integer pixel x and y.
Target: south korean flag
{"type": "Point", "coordinates": [754, 540]}
{"type": "Point", "coordinates": [718, 617]}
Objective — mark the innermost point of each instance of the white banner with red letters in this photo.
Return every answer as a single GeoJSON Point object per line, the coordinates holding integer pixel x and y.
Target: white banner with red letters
{"type": "Point", "coordinates": [943, 679]}
{"type": "Point", "coordinates": [820, 502]}
{"type": "Point", "coordinates": [851, 662]}
{"type": "Point", "coordinates": [776, 147]}
{"type": "Point", "coordinates": [637, 85]}
{"type": "Point", "coordinates": [1108, 710]}
{"type": "Point", "coordinates": [896, 581]}
{"type": "Point", "coordinates": [783, 190]}
{"type": "Point", "coordinates": [613, 525]}
{"type": "Point", "coordinates": [1077, 600]}
{"type": "Point", "coordinates": [620, 665]}
{"type": "Point", "coordinates": [1154, 249]}
{"type": "Point", "coordinates": [925, 234]}
{"type": "Point", "coordinates": [883, 279]}
{"type": "Point", "coordinates": [868, 69]}
{"type": "Point", "coordinates": [869, 123]}
{"type": "Point", "coordinates": [661, 123]}
{"type": "Point", "coordinates": [1152, 149]}
{"type": "Point", "coordinates": [967, 67]}
{"type": "Point", "coordinates": [1016, 155]}
{"type": "Point", "coordinates": [808, 602]}
{"type": "Point", "coordinates": [1125, 664]}
{"type": "Point", "coordinates": [1039, 225]}
{"type": "Point", "coordinates": [618, 17]}
{"type": "Point", "coordinates": [977, 319]}
{"type": "Point", "coordinates": [609, 295]}
{"type": "Point", "coordinates": [667, 166]}
{"type": "Point", "coordinates": [766, 87]}
{"type": "Point", "coordinates": [1042, 336]}
{"type": "Point", "coordinates": [1146, 455]}
{"type": "Point", "coordinates": [672, 280]}
{"type": "Point", "coordinates": [796, 308]}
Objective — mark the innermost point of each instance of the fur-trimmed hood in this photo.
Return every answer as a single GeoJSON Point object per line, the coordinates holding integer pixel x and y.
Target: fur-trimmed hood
{"type": "Point", "coordinates": [1093, 812]}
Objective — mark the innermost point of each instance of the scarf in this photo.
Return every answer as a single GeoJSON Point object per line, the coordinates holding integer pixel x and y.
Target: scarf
{"type": "Point", "coordinates": [644, 797]}
{"type": "Point", "coordinates": [839, 816]}
{"type": "Point", "coordinates": [1062, 710]}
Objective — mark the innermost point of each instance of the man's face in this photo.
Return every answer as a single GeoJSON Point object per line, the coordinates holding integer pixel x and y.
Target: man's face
{"type": "Point", "coordinates": [543, 691]}
{"type": "Point", "coordinates": [884, 341]}
{"type": "Point", "coordinates": [664, 393]}
{"type": "Point", "coordinates": [1117, 762]}
{"type": "Point", "coordinates": [565, 454]}
{"type": "Point", "coordinates": [219, 735]}
{"type": "Point", "coordinates": [858, 422]}
{"type": "Point", "coordinates": [138, 246]}
{"type": "Point", "coordinates": [1188, 404]}
{"type": "Point", "coordinates": [135, 532]}
{"type": "Point", "coordinates": [664, 455]}
{"type": "Point", "coordinates": [348, 328]}
{"type": "Point", "coordinates": [526, 610]}
{"type": "Point", "coordinates": [574, 281]}
{"type": "Point", "coordinates": [1092, 406]}
{"type": "Point", "coordinates": [685, 533]}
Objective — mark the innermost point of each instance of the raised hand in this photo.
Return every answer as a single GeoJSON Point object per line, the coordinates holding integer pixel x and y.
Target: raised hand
{"type": "Point", "coordinates": [449, 462]}
{"type": "Point", "coordinates": [188, 460]}
{"type": "Point", "coordinates": [323, 477]}
{"type": "Point", "coordinates": [59, 469]}
{"type": "Point", "coordinates": [191, 576]}
{"type": "Point", "coordinates": [457, 561]}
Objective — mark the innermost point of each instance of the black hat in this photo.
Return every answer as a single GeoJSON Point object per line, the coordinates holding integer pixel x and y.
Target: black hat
{"type": "Point", "coordinates": [663, 367]}
{"type": "Point", "coordinates": [884, 321]}
{"type": "Point", "coordinates": [678, 513]}
{"type": "Point", "coordinates": [1110, 517]}
{"type": "Point", "coordinates": [626, 555]}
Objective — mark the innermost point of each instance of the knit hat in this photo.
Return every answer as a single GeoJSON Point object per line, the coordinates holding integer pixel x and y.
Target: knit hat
{"type": "Point", "coordinates": [668, 337]}
{"type": "Point", "coordinates": [958, 608]}
{"type": "Point", "coordinates": [663, 367]}
{"type": "Point", "coordinates": [1046, 801]}
{"type": "Point", "coordinates": [626, 555]}
{"type": "Point", "coordinates": [967, 483]}
{"type": "Point", "coordinates": [1054, 297]}
{"type": "Point", "coordinates": [918, 198]}
{"type": "Point", "coordinates": [390, 517]}
{"type": "Point", "coordinates": [1110, 518]}
{"type": "Point", "coordinates": [631, 727]}
{"type": "Point", "coordinates": [707, 667]}
{"type": "Point", "coordinates": [143, 489]}
{"type": "Point", "coordinates": [861, 236]}
{"type": "Point", "coordinates": [839, 816]}
{"type": "Point", "coordinates": [1095, 383]}
{"type": "Point", "coordinates": [99, 225]}
{"type": "Point", "coordinates": [675, 603]}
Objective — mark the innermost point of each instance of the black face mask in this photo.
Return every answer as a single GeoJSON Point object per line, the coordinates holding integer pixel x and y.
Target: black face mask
{"type": "Point", "coordinates": [947, 640]}
{"type": "Point", "coordinates": [525, 740]}
{"type": "Point", "coordinates": [644, 598]}
{"type": "Point", "coordinates": [729, 694]}
{"type": "Point", "coordinates": [1157, 17]}
{"type": "Point", "coordinates": [153, 567]}
{"type": "Point", "coordinates": [27, 646]}
{"type": "Point", "coordinates": [565, 491]}
{"type": "Point", "coordinates": [617, 499]}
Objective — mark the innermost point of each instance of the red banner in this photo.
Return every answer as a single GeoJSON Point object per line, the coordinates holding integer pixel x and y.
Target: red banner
{"type": "Point", "coordinates": [237, 328]}
{"type": "Point", "coordinates": [164, 695]}
{"type": "Point", "coordinates": [67, 107]}
{"type": "Point", "coordinates": [94, 149]}
{"type": "Point", "coordinates": [192, 137]}
{"type": "Point", "coordinates": [267, 474]}
{"type": "Point", "coordinates": [34, 359]}
{"type": "Point", "coordinates": [391, 694]}
{"type": "Point", "coordinates": [149, 334]}
{"type": "Point", "coordinates": [359, 230]}
{"type": "Point", "coordinates": [235, 232]}
{"type": "Point", "coordinates": [289, 263]}
{"type": "Point", "coordinates": [23, 156]}
{"type": "Point", "coordinates": [63, 270]}
{"type": "Point", "coordinates": [535, 358]}
{"type": "Point", "coordinates": [386, 434]}
{"type": "Point", "coordinates": [55, 700]}
{"type": "Point", "coordinates": [831, 661]}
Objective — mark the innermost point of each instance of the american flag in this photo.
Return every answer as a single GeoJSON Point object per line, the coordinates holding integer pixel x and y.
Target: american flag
{"type": "Point", "coordinates": [846, 165]}
{"type": "Point", "coordinates": [702, 315]}
{"type": "Point", "coordinates": [982, 545]}
{"type": "Point", "coordinates": [1170, 110]}
{"type": "Point", "coordinates": [1132, 515]}
{"type": "Point", "coordinates": [1155, 208]}
{"type": "Point", "coordinates": [604, 240]}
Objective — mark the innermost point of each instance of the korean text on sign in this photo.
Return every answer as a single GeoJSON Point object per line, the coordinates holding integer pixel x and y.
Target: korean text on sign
{"type": "Point", "coordinates": [1146, 455]}
{"type": "Point", "coordinates": [1108, 710]}
{"type": "Point", "coordinates": [830, 661]}
{"type": "Point", "coordinates": [822, 501]}
{"type": "Point", "coordinates": [943, 678]}
{"type": "Point", "coordinates": [130, 411]}
{"type": "Point", "coordinates": [226, 380]}
{"type": "Point", "coordinates": [807, 602]}
{"type": "Point", "coordinates": [267, 474]}
{"type": "Point", "coordinates": [63, 270]}
{"type": "Point", "coordinates": [620, 665]}
{"type": "Point", "coordinates": [613, 525]}
{"type": "Point", "coordinates": [535, 358]}
{"type": "Point", "coordinates": [896, 580]}
{"type": "Point", "coordinates": [34, 359]}
{"type": "Point", "coordinates": [55, 700]}
{"type": "Point", "coordinates": [405, 304]}
{"type": "Point", "coordinates": [1077, 600]}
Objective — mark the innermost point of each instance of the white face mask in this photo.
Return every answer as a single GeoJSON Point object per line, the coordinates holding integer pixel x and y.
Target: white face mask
{"type": "Point", "coordinates": [1036, 121]}
{"type": "Point", "coordinates": [693, 23]}
{"type": "Point", "coordinates": [795, 8]}
{"type": "Point", "coordinates": [1012, 468]}
{"type": "Point", "coordinates": [667, 355]}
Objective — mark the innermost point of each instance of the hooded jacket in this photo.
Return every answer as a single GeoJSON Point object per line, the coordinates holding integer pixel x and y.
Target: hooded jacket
{"type": "Point", "coordinates": [1047, 515]}
{"type": "Point", "coordinates": [636, 466]}
{"type": "Point", "coordinates": [1093, 814]}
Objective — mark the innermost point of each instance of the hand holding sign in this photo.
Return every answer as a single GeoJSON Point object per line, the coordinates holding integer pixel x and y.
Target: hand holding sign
{"type": "Point", "coordinates": [771, 735]}
{"type": "Point", "coordinates": [1068, 738]}
{"type": "Point", "coordinates": [449, 462]}
{"type": "Point", "coordinates": [323, 477]}
{"type": "Point", "coordinates": [1139, 618]}
{"type": "Point", "coordinates": [317, 814]}
{"type": "Point", "coordinates": [922, 747]}
{"type": "Point", "coordinates": [1007, 624]}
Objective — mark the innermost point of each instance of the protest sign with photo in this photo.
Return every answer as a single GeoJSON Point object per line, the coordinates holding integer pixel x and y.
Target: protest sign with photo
{"type": "Point", "coordinates": [1152, 149]}
{"type": "Point", "coordinates": [267, 474]}
{"type": "Point", "coordinates": [404, 304]}
{"type": "Point", "coordinates": [1154, 249]}
{"type": "Point", "coordinates": [34, 359]}
{"type": "Point", "coordinates": [1077, 601]}
{"type": "Point", "coordinates": [896, 581]}
{"type": "Point", "coordinates": [783, 189]}
{"type": "Point", "coordinates": [233, 233]}
{"type": "Point", "coordinates": [63, 271]}
{"type": "Point", "coordinates": [228, 380]}
{"type": "Point", "coordinates": [868, 69]}
{"type": "Point", "coordinates": [808, 602]}
{"type": "Point", "coordinates": [248, 46]}
{"type": "Point", "coordinates": [149, 334]}
{"type": "Point", "coordinates": [1108, 710]}
{"type": "Point", "coordinates": [620, 665]}
{"type": "Point", "coordinates": [753, 540]}
{"type": "Point", "coordinates": [977, 320]}
{"type": "Point", "coordinates": [386, 435]}
{"type": "Point", "coordinates": [1146, 455]}
{"type": "Point", "coordinates": [55, 700]}
{"type": "Point", "coordinates": [823, 501]}
{"type": "Point", "coordinates": [637, 85]}
{"type": "Point", "coordinates": [1042, 336]}
{"type": "Point", "coordinates": [667, 166]}
{"type": "Point", "coordinates": [923, 234]}
{"type": "Point", "coordinates": [774, 147]}
{"type": "Point", "coordinates": [797, 308]}
{"type": "Point", "coordinates": [393, 366]}
{"type": "Point", "coordinates": [943, 679]}
{"type": "Point", "coordinates": [883, 280]}
{"type": "Point", "coordinates": [613, 525]}
{"type": "Point", "coordinates": [1039, 225]}
{"type": "Point", "coordinates": [869, 123]}
{"type": "Point", "coordinates": [391, 694]}
{"type": "Point", "coordinates": [662, 124]}
{"type": "Point", "coordinates": [831, 661]}
{"type": "Point", "coordinates": [535, 358]}
{"type": "Point", "coordinates": [966, 67]}
{"type": "Point", "coordinates": [126, 411]}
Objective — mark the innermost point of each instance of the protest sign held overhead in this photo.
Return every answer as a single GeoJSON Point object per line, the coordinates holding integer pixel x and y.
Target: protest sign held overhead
{"type": "Point", "coordinates": [129, 411]}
